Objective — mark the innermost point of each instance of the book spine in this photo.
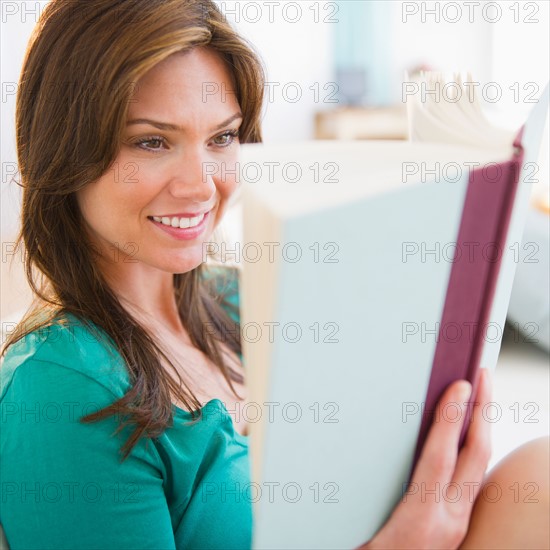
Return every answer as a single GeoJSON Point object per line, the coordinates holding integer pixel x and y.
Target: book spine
{"type": "Point", "coordinates": [480, 245]}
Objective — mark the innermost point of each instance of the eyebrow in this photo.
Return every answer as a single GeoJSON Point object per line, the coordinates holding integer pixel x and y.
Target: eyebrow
{"type": "Point", "coordinates": [174, 128]}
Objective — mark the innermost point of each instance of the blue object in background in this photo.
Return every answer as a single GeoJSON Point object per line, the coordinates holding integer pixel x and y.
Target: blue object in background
{"type": "Point", "coordinates": [362, 52]}
{"type": "Point", "coordinates": [529, 309]}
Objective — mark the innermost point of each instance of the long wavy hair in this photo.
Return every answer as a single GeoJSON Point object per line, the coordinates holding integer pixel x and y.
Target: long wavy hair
{"type": "Point", "coordinates": [81, 65]}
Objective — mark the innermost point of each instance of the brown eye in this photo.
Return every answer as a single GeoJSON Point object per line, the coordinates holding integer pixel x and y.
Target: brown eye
{"type": "Point", "coordinates": [155, 143]}
{"type": "Point", "coordinates": [151, 143]}
{"type": "Point", "coordinates": [226, 138]}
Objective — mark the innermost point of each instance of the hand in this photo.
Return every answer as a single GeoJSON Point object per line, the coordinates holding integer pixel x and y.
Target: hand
{"type": "Point", "coordinates": [419, 521]}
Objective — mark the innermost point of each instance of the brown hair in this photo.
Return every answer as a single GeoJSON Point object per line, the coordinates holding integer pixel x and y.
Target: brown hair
{"type": "Point", "coordinates": [68, 135]}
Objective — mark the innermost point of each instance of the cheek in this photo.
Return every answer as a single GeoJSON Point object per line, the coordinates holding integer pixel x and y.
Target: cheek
{"type": "Point", "coordinates": [226, 186]}
{"type": "Point", "coordinates": [228, 177]}
{"type": "Point", "coordinates": [102, 204]}
{"type": "Point", "coordinates": [89, 202]}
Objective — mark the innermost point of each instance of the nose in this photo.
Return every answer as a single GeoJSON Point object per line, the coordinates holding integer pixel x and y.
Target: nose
{"type": "Point", "coordinates": [191, 177]}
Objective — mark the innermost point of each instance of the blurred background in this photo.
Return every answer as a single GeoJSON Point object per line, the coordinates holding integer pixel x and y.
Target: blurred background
{"type": "Point", "coordinates": [335, 71]}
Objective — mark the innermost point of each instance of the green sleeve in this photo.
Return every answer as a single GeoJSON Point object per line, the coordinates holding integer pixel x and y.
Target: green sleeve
{"type": "Point", "coordinates": [63, 484]}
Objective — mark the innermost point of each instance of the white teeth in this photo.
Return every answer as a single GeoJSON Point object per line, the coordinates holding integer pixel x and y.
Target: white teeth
{"type": "Point", "coordinates": [195, 221]}
{"type": "Point", "coordinates": [182, 223]}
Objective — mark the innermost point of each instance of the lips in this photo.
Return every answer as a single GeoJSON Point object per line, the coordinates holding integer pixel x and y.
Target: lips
{"type": "Point", "coordinates": [173, 225]}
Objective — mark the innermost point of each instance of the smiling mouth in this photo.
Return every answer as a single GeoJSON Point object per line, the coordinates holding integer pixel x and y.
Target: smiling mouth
{"type": "Point", "coordinates": [179, 222]}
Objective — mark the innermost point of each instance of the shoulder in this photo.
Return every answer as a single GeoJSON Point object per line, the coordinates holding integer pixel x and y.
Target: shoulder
{"type": "Point", "coordinates": [50, 380]}
{"type": "Point", "coordinates": [68, 345]}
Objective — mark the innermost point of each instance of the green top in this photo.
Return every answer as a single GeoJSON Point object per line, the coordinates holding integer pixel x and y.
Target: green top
{"type": "Point", "coordinates": [63, 485]}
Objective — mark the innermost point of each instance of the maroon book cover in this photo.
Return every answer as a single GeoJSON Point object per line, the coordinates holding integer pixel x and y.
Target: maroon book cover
{"type": "Point", "coordinates": [484, 225]}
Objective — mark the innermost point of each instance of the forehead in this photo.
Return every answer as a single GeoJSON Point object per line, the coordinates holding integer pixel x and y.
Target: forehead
{"type": "Point", "coordinates": [194, 84]}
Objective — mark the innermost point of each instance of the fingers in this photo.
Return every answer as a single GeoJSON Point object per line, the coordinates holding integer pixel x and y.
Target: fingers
{"type": "Point", "coordinates": [439, 456]}
{"type": "Point", "coordinates": [437, 515]}
{"type": "Point", "coordinates": [476, 452]}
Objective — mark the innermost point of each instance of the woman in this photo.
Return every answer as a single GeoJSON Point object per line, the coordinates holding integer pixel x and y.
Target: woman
{"type": "Point", "coordinates": [100, 444]}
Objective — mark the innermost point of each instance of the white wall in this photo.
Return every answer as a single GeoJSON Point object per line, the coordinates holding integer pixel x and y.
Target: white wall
{"type": "Point", "coordinates": [423, 37]}
{"type": "Point", "coordinates": [522, 56]}
{"type": "Point", "coordinates": [17, 22]}
{"type": "Point", "coordinates": [297, 56]}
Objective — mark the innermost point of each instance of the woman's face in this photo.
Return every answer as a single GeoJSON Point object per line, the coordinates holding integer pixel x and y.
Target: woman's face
{"type": "Point", "coordinates": [160, 201]}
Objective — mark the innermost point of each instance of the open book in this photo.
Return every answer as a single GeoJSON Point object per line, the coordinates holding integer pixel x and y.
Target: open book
{"type": "Point", "coordinates": [374, 274]}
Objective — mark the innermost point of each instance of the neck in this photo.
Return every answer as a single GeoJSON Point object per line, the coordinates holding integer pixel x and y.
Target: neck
{"type": "Point", "coordinates": [148, 294]}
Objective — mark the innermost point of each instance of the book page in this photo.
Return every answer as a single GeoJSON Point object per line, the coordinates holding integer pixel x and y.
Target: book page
{"type": "Point", "coordinates": [448, 111]}
{"type": "Point", "coordinates": [296, 178]}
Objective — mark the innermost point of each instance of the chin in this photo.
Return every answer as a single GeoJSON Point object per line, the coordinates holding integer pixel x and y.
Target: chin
{"type": "Point", "coordinates": [184, 265]}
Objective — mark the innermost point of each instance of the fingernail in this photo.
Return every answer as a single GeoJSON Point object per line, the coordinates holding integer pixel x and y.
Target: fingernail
{"type": "Point", "coordinates": [465, 391]}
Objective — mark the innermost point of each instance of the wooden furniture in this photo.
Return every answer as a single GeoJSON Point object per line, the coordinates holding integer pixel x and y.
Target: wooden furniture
{"type": "Point", "coordinates": [362, 123]}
